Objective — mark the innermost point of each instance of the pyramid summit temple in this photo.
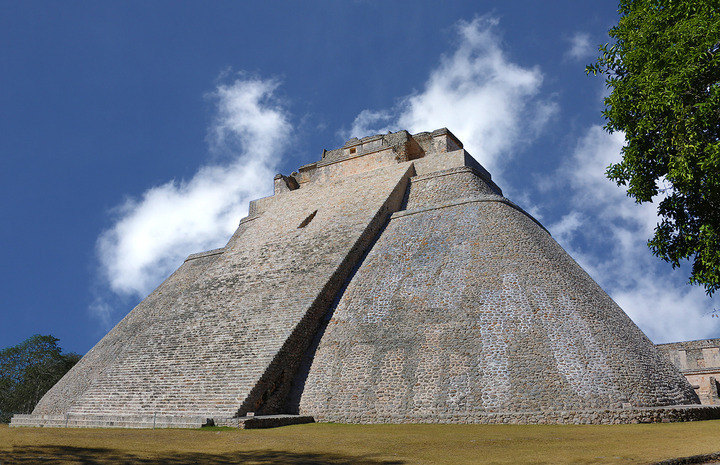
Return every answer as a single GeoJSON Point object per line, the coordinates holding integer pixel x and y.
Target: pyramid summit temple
{"type": "Point", "coordinates": [388, 282]}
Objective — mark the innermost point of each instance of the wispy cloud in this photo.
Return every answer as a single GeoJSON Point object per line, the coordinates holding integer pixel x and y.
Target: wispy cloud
{"type": "Point", "coordinates": [152, 234]}
{"type": "Point", "coordinates": [490, 103]}
{"type": "Point", "coordinates": [580, 47]}
{"type": "Point", "coordinates": [606, 232]}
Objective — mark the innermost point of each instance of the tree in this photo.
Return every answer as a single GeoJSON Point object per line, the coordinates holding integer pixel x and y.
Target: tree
{"type": "Point", "coordinates": [28, 370]}
{"type": "Point", "coordinates": [663, 70]}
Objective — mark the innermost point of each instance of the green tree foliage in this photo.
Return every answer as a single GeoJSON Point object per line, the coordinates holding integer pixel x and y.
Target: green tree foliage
{"type": "Point", "coordinates": [664, 74]}
{"type": "Point", "coordinates": [28, 370]}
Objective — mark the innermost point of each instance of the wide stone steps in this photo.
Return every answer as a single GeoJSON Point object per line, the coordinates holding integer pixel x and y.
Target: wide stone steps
{"type": "Point", "coordinates": [108, 421]}
{"type": "Point", "coordinates": [155, 421]}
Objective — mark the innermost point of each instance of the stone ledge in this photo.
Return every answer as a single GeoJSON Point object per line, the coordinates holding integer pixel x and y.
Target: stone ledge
{"type": "Point", "coordinates": [484, 175]}
{"type": "Point", "coordinates": [474, 199]}
{"type": "Point", "coordinates": [108, 421]}
{"type": "Point", "coordinates": [699, 371]}
{"type": "Point", "coordinates": [667, 414]}
{"type": "Point", "coordinates": [264, 421]}
{"type": "Point", "coordinates": [249, 218]}
{"type": "Point", "coordinates": [205, 254]}
{"type": "Point", "coordinates": [689, 345]}
{"type": "Point", "coordinates": [154, 421]}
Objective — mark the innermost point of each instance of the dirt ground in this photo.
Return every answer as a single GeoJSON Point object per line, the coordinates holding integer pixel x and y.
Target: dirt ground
{"type": "Point", "coordinates": [338, 444]}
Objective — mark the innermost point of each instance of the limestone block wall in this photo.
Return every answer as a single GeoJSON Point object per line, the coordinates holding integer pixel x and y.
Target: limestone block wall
{"type": "Point", "coordinates": [693, 355]}
{"type": "Point", "coordinates": [325, 172]}
{"type": "Point", "coordinates": [706, 385]}
{"type": "Point", "coordinates": [368, 153]}
{"type": "Point", "coordinates": [467, 310]}
{"type": "Point", "coordinates": [93, 366]}
{"type": "Point", "coordinates": [432, 163]}
{"type": "Point", "coordinates": [438, 141]}
{"type": "Point", "coordinates": [439, 187]}
{"type": "Point", "coordinates": [699, 362]}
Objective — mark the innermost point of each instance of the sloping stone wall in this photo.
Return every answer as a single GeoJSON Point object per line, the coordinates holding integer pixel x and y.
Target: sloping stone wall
{"type": "Point", "coordinates": [469, 308]}
{"type": "Point", "coordinates": [101, 358]}
{"type": "Point", "coordinates": [456, 183]}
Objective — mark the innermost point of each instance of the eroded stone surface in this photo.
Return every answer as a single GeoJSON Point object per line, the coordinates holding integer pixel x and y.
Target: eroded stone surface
{"type": "Point", "coordinates": [467, 308]}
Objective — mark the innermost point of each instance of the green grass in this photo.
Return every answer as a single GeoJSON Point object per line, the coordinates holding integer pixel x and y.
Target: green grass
{"type": "Point", "coordinates": [340, 444]}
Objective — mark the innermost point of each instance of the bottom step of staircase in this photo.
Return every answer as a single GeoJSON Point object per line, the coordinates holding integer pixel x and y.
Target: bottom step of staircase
{"type": "Point", "coordinates": [154, 421]}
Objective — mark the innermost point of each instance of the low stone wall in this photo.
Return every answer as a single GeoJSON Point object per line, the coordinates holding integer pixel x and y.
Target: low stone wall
{"type": "Point", "coordinates": [264, 421]}
{"type": "Point", "coordinates": [667, 414]}
{"type": "Point", "coordinates": [107, 421]}
{"type": "Point", "coordinates": [155, 421]}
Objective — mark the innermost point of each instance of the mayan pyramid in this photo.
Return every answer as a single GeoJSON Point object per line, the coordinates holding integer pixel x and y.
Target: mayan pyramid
{"type": "Point", "coordinates": [390, 281]}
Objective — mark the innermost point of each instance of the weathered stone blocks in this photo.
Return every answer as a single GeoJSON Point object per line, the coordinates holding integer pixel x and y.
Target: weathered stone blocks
{"type": "Point", "coordinates": [468, 308]}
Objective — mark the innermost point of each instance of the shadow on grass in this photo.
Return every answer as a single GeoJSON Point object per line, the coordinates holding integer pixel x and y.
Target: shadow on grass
{"type": "Point", "coordinates": [92, 456]}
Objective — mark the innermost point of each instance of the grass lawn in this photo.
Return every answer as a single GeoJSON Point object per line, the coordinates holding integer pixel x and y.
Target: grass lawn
{"type": "Point", "coordinates": [362, 444]}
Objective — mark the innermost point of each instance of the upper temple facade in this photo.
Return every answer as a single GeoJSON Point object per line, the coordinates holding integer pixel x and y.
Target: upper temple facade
{"type": "Point", "coordinates": [390, 281]}
{"type": "Point", "coordinates": [369, 153]}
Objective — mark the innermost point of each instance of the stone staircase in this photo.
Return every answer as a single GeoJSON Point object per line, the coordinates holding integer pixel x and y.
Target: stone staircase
{"type": "Point", "coordinates": [226, 340]}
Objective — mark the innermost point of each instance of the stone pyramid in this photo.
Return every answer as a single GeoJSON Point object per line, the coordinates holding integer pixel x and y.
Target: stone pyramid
{"type": "Point", "coordinates": [388, 282]}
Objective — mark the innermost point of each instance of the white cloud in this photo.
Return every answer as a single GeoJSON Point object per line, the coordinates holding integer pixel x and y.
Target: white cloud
{"type": "Point", "coordinates": [612, 230]}
{"type": "Point", "coordinates": [154, 233]}
{"type": "Point", "coordinates": [568, 225]}
{"type": "Point", "coordinates": [102, 311]}
{"type": "Point", "coordinates": [490, 103]}
{"type": "Point", "coordinates": [586, 174]}
{"type": "Point", "coordinates": [372, 122]}
{"type": "Point", "coordinates": [580, 47]}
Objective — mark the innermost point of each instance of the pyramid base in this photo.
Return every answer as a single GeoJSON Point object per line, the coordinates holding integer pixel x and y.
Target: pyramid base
{"type": "Point", "coordinates": [264, 421]}
{"type": "Point", "coordinates": [666, 414]}
{"type": "Point", "coordinates": [154, 421]}
{"type": "Point", "coordinates": [108, 421]}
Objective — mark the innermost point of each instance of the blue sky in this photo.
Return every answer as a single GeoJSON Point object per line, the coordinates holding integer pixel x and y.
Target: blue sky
{"type": "Point", "coordinates": [135, 133]}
